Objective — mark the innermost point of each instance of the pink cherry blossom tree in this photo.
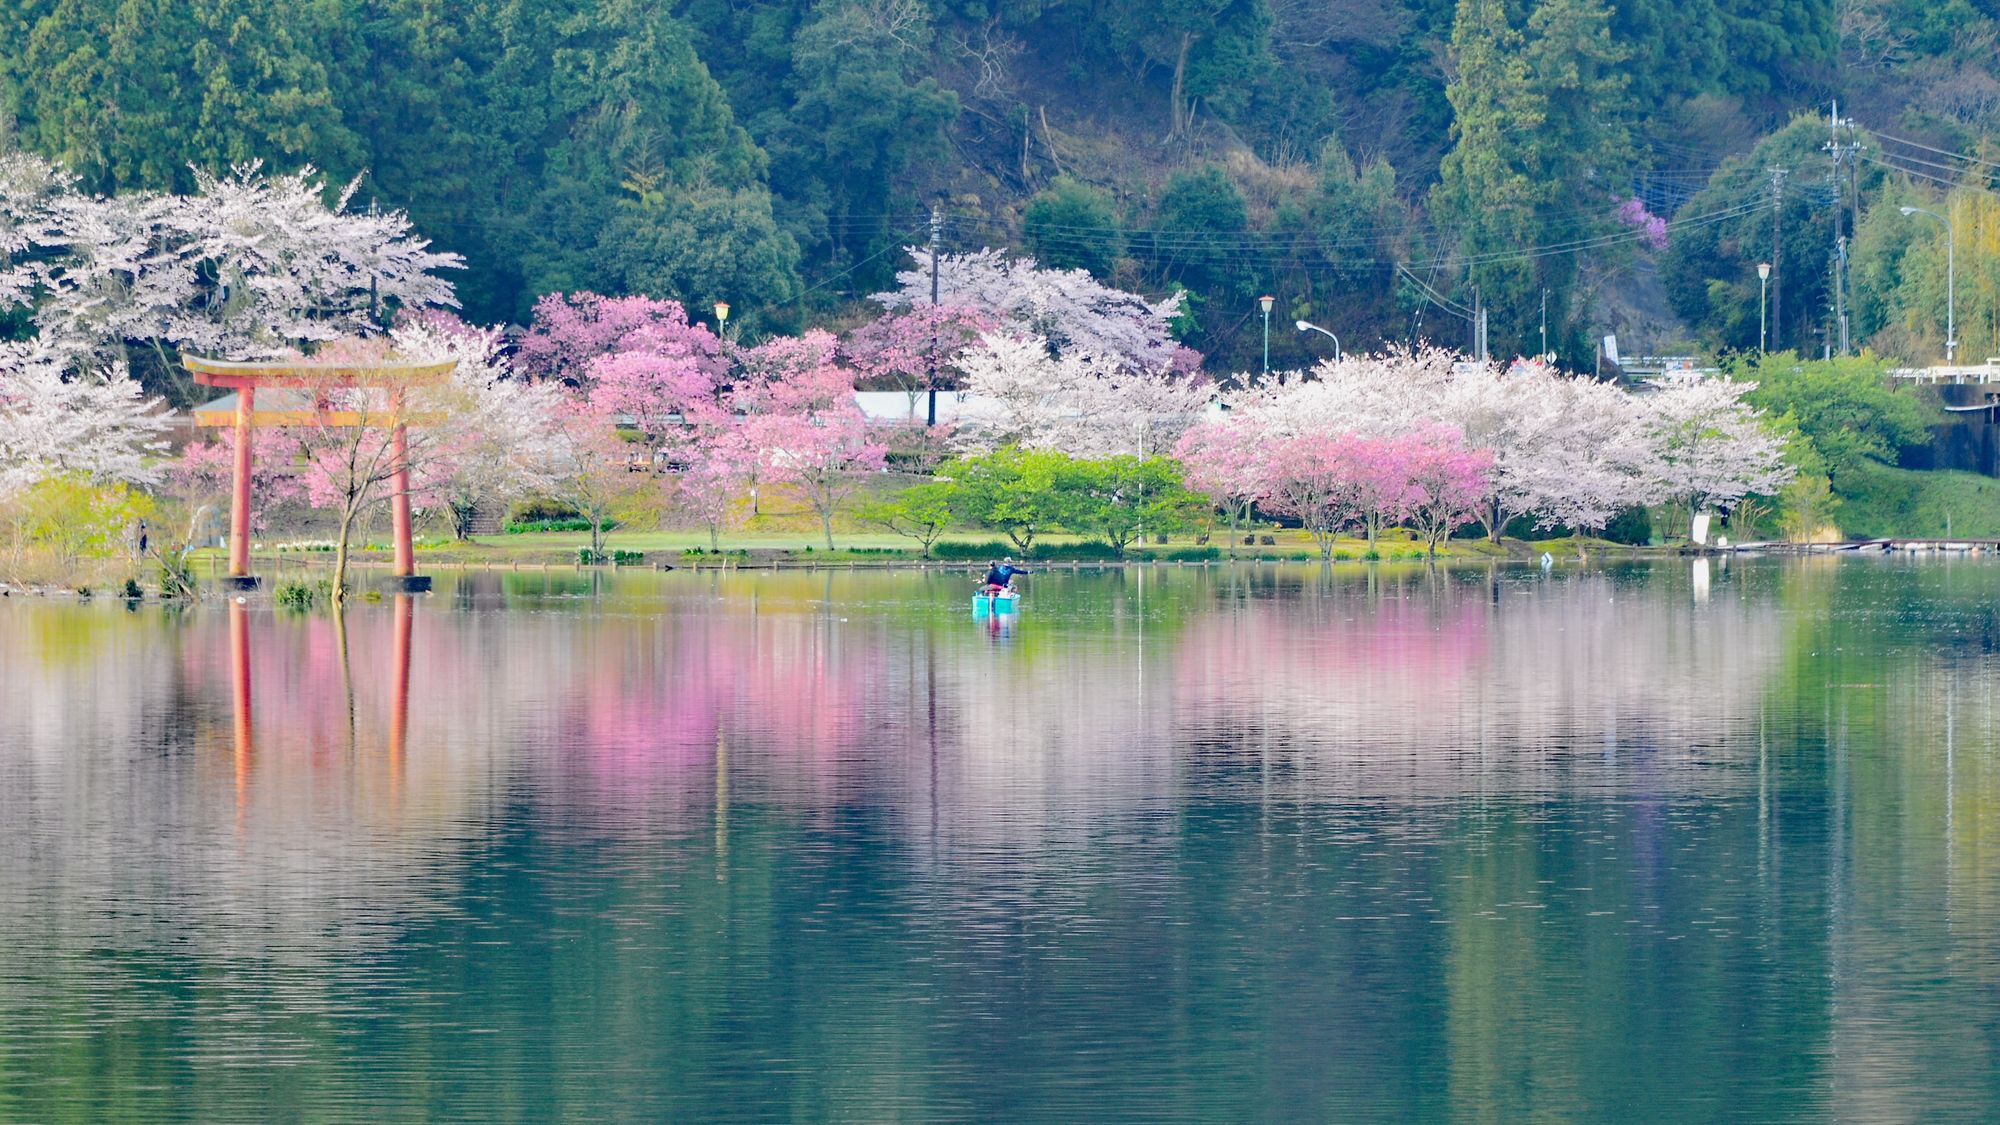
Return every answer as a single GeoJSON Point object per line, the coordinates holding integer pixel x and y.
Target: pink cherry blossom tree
{"type": "Point", "coordinates": [799, 420]}
{"type": "Point", "coordinates": [572, 331]}
{"type": "Point", "coordinates": [1224, 461]}
{"type": "Point", "coordinates": [1312, 478]}
{"type": "Point", "coordinates": [914, 349]}
{"type": "Point", "coordinates": [1448, 481]}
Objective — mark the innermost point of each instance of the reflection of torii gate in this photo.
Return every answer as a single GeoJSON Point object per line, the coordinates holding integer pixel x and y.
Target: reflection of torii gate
{"type": "Point", "coordinates": [307, 376]}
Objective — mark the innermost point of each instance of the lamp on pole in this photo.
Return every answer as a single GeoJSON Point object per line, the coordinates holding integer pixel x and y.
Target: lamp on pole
{"type": "Point", "coordinates": [1950, 282]}
{"type": "Point", "coordinates": [1763, 306]}
{"type": "Point", "coordinates": [1308, 326]}
{"type": "Point", "coordinates": [722, 319]}
{"type": "Point", "coordinates": [1265, 303]}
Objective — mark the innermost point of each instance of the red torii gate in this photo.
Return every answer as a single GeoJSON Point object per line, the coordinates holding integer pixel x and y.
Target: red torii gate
{"type": "Point", "coordinates": [244, 377]}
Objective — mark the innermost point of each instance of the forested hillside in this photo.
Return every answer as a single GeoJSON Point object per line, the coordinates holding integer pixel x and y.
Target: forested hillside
{"type": "Point", "coordinates": [1382, 167]}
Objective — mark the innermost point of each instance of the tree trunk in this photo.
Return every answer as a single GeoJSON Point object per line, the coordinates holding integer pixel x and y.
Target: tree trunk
{"type": "Point", "coordinates": [1179, 119]}
{"type": "Point", "coordinates": [338, 595]}
{"type": "Point", "coordinates": [826, 524]}
{"type": "Point", "coordinates": [714, 539]}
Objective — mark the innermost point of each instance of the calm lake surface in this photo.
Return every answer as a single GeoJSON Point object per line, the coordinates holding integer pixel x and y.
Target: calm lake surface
{"type": "Point", "coordinates": [1644, 842]}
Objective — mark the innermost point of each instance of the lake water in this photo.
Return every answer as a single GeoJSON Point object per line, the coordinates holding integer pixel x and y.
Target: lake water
{"type": "Point", "coordinates": [1645, 842]}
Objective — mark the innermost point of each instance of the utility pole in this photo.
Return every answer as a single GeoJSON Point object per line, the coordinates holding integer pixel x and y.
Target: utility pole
{"type": "Point", "coordinates": [1839, 151]}
{"type": "Point", "coordinates": [931, 377]}
{"type": "Point", "coordinates": [1777, 256]}
{"type": "Point", "coordinates": [1545, 326]}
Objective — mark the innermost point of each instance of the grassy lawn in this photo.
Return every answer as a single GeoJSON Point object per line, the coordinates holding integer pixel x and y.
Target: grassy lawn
{"type": "Point", "coordinates": [1878, 501]}
{"type": "Point", "coordinates": [561, 547]}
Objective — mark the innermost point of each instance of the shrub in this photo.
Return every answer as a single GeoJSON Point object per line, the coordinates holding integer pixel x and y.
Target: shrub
{"type": "Point", "coordinates": [1633, 527]}
{"type": "Point", "coordinates": [542, 509]}
{"type": "Point", "coordinates": [572, 524]}
{"type": "Point", "coordinates": [132, 591]}
{"type": "Point", "coordinates": [587, 557]}
{"type": "Point", "coordinates": [296, 596]}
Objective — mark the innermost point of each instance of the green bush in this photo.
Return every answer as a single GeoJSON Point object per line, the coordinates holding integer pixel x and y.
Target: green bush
{"type": "Point", "coordinates": [587, 557]}
{"type": "Point", "coordinates": [132, 590]}
{"type": "Point", "coordinates": [297, 596]}
{"type": "Point", "coordinates": [529, 527]}
{"type": "Point", "coordinates": [541, 509]}
{"type": "Point", "coordinates": [1186, 554]}
{"type": "Point", "coordinates": [1633, 527]}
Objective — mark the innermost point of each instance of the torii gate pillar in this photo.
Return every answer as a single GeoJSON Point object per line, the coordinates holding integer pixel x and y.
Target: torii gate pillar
{"type": "Point", "coordinates": [244, 378]}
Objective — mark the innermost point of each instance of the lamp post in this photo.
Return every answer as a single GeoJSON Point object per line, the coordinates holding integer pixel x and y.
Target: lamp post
{"type": "Point", "coordinates": [1265, 303]}
{"type": "Point", "coordinates": [1950, 282]}
{"type": "Point", "coordinates": [1763, 306]}
{"type": "Point", "coordinates": [722, 319]}
{"type": "Point", "coordinates": [1308, 326]}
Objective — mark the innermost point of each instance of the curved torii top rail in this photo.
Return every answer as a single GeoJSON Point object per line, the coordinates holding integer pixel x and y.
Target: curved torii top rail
{"type": "Point", "coordinates": [245, 376]}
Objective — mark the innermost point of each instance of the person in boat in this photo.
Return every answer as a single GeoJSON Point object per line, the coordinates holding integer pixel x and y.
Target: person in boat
{"type": "Point", "coordinates": [1000, 576]}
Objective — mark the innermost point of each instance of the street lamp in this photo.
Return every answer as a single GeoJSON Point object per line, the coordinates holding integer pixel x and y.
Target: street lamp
{"type": "Point", "coordinates": [722, 319]}
{"type": "Point", "coordinates": [1763, 305]}
{"type": "Point", "coordinates": [1265, 303]}
{"type": "Point", "coordinates": [1950, 283]}
{"type": "Point", "coordinates": [1308, 326]}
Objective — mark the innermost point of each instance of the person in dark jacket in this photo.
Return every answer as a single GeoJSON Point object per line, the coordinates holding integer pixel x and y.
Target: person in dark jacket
{"type": "Point", "coordinates": [1000, 575]}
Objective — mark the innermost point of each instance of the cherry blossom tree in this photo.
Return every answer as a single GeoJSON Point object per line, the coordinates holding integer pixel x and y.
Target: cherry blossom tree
{"type": "Point", "coordinates": [56, 419]}
{"type": "Point", "coordinates": [205, 471]}
{"type": "Point", "coordinates": [1075, 402]}
{"type": "Point", "coordinates": [1069, 309]}
{"type": "Point", "coordinates": [573, 331]}
{"type": "Point", "coordinates": [1708, 447]}
{"type": "Point", "coordinates": [250, 265]}
{"type": "Point", "coordinates": [800, 420]}
{"type": "Point", "coordinates": [1223, 461]}
{"type": "Point", "coordinates": [590, 467]}
{"type": "Point", "coordinates": [1595, 461]}
{"type": "Point", "coordinates": [915, 349]}
{"type": "Point", "coordinates": [1449, 481]}
{"type": "Point", "coordinates": [494, 434]}
{"type": "Point", "coordinates": [1313, 479]}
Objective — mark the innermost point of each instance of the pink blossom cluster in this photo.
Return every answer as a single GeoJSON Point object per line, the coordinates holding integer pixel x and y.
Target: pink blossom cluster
{"type": "Point", "coordinates": [1333, 481]}
{"type": "Point", "coordinates": [1633, 213]}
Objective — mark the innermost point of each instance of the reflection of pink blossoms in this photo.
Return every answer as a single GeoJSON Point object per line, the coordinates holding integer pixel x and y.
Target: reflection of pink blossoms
{"type": "Point", "coordinates": [1633, 213]}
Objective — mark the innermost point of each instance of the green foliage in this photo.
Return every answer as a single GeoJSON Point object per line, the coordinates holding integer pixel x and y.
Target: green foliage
{"type": "Point", "coordinates": [1121, 498]}
{"type": "Point", "coordinates": [586, 556]}
{"type": "Point", "coordinates": [1024, 493]}
{"type": "Point", "coordinates": [1847, 409]}
{"type": "Point", "coordinates": [1011, 491]}
{"type": "Point", "coordinates": [176, 575]}
{"type": "Point", "coordinates": [1881, 500]}
{"type": "Point", "coordinates": [922, 512]}
{"type": "Point", "coordinates": [131, 590]}
{"type": "Point", "coordinates": [1633, 527]}
{"type": "Point", "coordinates": [296, 596]}
{"type": "Point", "coordinates": [1071, 225]}
{"type": "Point", "coordinates": [71, 519]}
{"type": "Point", "coordinates": [1807, 504]}
{"type": "Point", "coordinates": [1542, 122]}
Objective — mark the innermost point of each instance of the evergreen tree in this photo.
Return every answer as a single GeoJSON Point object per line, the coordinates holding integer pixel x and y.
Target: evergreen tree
{"type": "Point", "coordinates": [1540, 139]}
